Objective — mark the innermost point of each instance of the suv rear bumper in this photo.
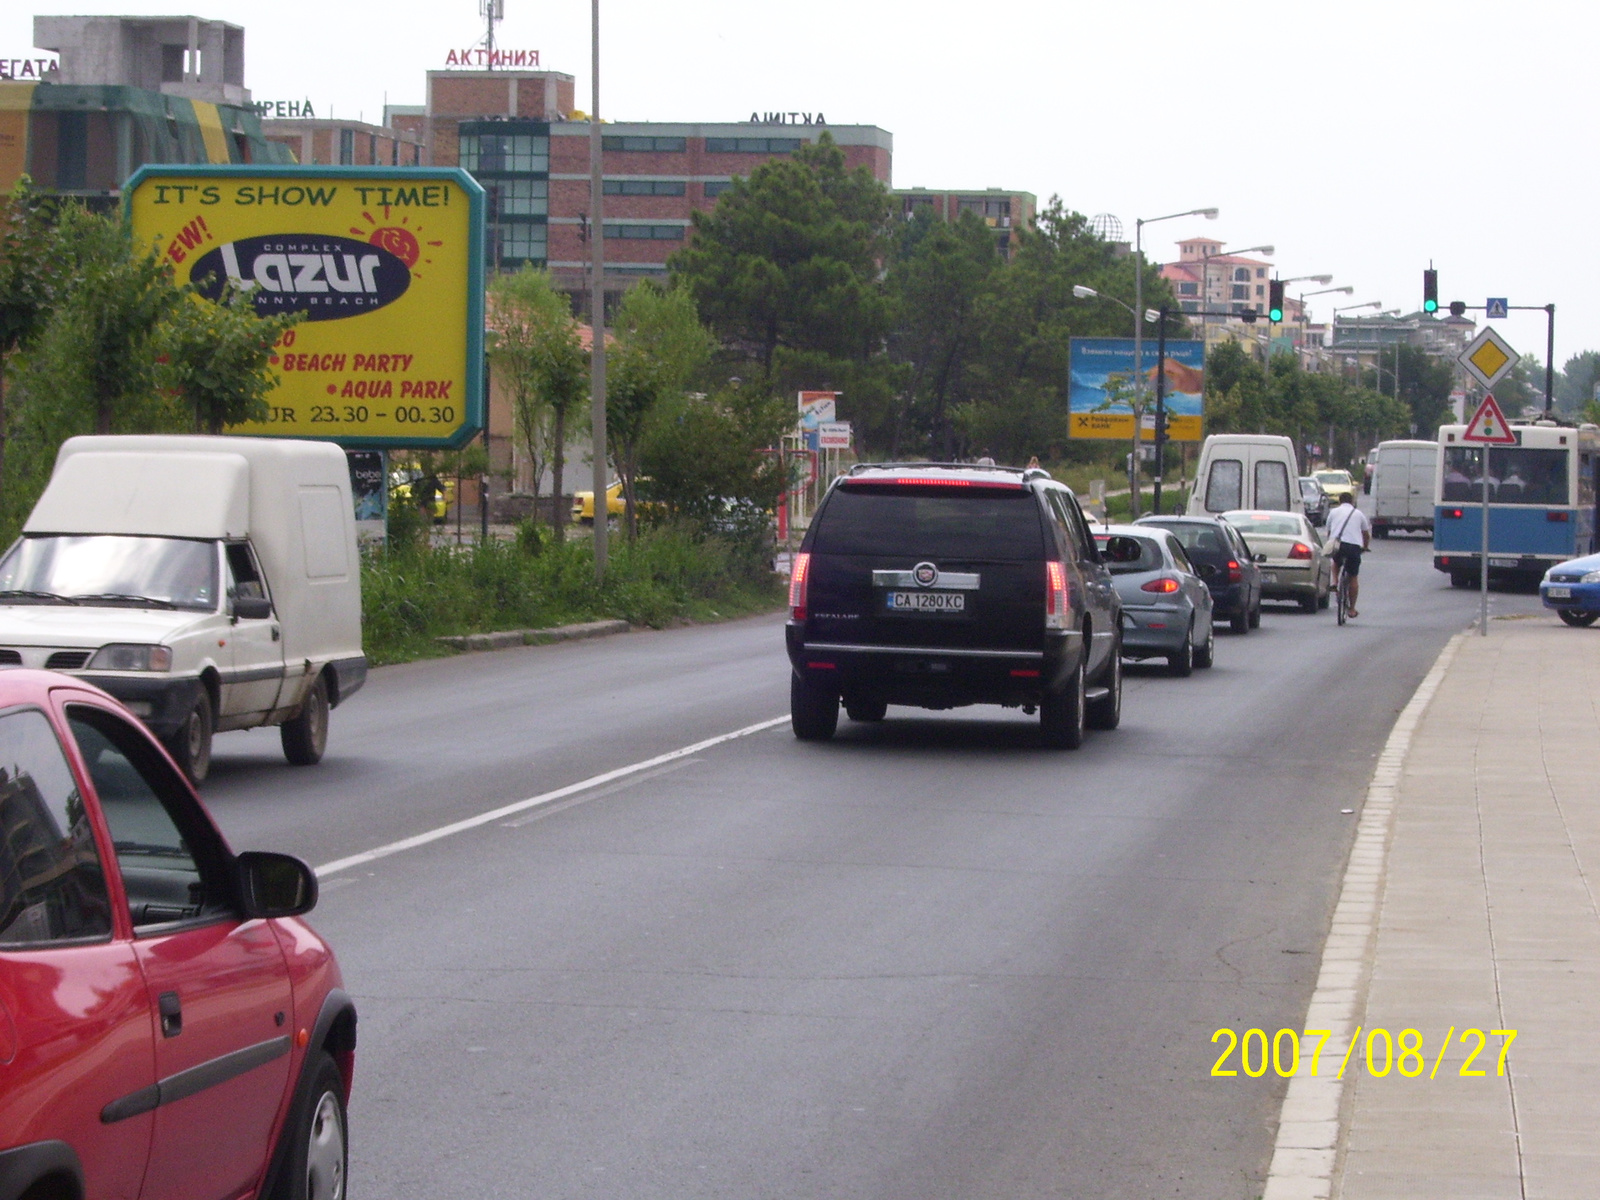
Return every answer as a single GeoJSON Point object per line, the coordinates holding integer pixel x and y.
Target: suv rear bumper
{"type": "Point", "coordinates": [937, 676]}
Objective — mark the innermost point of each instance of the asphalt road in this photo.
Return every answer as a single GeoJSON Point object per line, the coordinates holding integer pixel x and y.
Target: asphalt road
{"type": "Point", "coordinates": [928, 959]}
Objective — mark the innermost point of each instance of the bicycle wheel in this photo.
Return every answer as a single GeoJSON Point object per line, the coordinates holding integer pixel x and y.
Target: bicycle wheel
{"type": "Point", "coordinates": [1344, 596]}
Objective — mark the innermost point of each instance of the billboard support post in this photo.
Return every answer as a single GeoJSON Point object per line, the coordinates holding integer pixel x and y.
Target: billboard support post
{"type": "Point", "coordinates": [1161, 409]}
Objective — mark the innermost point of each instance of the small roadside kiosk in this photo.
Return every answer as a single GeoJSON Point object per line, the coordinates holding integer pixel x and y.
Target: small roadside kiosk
{"type": "Point", "coordinates": [387, 266]}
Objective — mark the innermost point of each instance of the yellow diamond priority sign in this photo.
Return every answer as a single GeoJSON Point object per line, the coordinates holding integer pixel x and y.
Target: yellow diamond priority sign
{"type": "Point", "coordinates": [1488, 358]}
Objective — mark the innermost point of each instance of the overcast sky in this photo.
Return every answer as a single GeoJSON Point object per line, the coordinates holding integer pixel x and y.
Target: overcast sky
{"type": "Point", "coordinates": [1361, 139]}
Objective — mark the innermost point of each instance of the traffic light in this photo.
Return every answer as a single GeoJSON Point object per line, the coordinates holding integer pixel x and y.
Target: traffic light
{"type": "Point", "coordinates": [1430, 290]}
{"type": "Point", "coordinates": [1458, 308]}
{"type": "Point", "coordinates": [1275, 301]}
{"type": "Point", "coordinates": [1247, 315]}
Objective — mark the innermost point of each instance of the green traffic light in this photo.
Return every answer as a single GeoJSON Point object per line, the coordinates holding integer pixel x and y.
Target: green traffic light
{"type": "Point", "coordinates": [1430, 305]}
{"type": "Point", "coordinates": [1276, 314]}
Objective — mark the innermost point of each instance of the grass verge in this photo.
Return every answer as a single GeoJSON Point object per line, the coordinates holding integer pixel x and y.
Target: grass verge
{"type": "Point", "coordinates": [411, 596]}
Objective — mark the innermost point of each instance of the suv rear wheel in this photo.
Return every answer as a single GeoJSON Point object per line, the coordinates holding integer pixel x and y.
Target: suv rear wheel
{"type": "Point", "coordinates": [813, 711]}
{"type": "Point", "coordinates": [1061, 714]}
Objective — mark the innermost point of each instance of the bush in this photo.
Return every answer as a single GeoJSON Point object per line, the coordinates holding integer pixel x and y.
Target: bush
{"type": "Point", "coordinates": [414, 594]}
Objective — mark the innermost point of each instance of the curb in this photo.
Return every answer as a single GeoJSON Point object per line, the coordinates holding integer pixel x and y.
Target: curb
{"type": "Point", "coordinates": [1307, 1147]}
{"type": "Point", "coordinates": [506, 639]}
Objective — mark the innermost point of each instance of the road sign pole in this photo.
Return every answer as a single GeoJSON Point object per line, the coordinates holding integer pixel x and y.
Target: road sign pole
{"type": "Point", "coordinates": [1483, 575]}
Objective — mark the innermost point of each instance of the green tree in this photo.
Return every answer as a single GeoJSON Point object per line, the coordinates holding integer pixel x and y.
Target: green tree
{"type": "Point", "coordinates": [785, 270]}
{"type": "Point", "coordinates": [27, 254]}
{"type": "Point", "coordinates": [660, 347]}
{"type": "Point", "coordinates": [1577, 383]}
{"type": "Point", "coordinates": [213, 356]}
{"type": "Point", "coordinates": [534, 345]}
{"type": "Point", "coordinates": [705, 453]}
{"type": "Point", "coordinates": [939, 284]}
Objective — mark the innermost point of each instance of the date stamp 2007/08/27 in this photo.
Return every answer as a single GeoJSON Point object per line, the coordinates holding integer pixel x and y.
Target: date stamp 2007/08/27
{"type": "Point", "coordinates": [1404, 1054]}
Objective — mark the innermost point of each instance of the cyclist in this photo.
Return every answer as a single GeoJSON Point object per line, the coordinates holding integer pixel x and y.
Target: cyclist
{"type": "Point", "coordinates": [1347, 523]}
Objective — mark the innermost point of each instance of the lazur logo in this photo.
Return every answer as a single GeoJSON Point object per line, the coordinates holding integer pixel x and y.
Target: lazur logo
{"type": "Point", "coordinates": [325, 277]}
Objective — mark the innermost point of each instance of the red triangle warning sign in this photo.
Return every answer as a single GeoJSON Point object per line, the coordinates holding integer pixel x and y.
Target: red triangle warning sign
{"type": "Point", "coordinates": [1489, 424]}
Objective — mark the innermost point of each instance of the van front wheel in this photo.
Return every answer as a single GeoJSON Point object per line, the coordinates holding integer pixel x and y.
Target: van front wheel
{"type": "Point", "coordinates": [305, 737]}
{"type": "Point", "coordinates": [190, 745]}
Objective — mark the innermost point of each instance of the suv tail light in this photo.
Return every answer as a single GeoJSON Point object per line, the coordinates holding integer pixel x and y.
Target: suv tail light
{"type": "Point", "coordinates": [1055, 599]}
{"type": "Point", "coordinates": [799, 585]}
{"type": "Point", "coordinates": [1300, 550]}
{"type": "Point", "coordinates": [1235, 572]}
{"type": "Point", "coordinates": [1165, 585]}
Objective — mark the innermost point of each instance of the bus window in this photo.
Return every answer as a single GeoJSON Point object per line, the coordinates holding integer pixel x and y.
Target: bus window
{"type": "Point", "coordinates": [1517, 475]}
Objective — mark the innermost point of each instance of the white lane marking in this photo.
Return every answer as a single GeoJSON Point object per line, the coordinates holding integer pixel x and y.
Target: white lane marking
{"type": "Point", "coordinates": [1307, 1148]}
{"type": "Point", "coordinates": [544, 798]}
{"type": "Point", "coordinates": [621, 785]}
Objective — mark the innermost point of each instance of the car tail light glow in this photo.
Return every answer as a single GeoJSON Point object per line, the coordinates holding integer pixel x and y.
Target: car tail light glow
{"type": "Point", "coordinates": [799, 585]}
{"type": "Point", "coordinates": [1055, 600]}
{"type": "Point", "coordinates": [1300, 550]}
{"type": "Point", "coordinates": [1235, 572]}
{"type": "Point", "coordinates": [1165, 586]}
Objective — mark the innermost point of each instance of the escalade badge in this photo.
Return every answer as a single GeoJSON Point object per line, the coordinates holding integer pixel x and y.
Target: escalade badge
{"type": "Point", "coordinates": [926, 574]}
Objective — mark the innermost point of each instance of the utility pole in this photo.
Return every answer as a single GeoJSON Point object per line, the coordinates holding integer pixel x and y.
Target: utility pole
{"type": "Point", "coordinates": [597, 313]}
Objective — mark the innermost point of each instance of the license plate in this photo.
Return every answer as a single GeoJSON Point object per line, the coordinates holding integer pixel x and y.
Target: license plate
{"type": "Point", "coordinates": [927, 602]}
{"type": "Point", "coordinates": [1558, 593]}
{"type": "Point", "coordinates": [1502, 562]}
{"type": "Point", "coordinates": [1269, 577]}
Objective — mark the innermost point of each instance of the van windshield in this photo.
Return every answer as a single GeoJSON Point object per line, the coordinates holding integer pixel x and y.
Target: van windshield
{"type": "Point", "coordinates": [142, 572]}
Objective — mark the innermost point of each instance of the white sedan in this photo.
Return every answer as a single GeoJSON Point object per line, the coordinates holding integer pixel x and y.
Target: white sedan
{"type": "Point", "coordinates": [1295, 564]}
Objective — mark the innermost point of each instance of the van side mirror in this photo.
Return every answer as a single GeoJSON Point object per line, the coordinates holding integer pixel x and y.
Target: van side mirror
{"type": "Point", "coordinates": [251, 608]}
{"type": "Point", "coordinates": [275, 885]}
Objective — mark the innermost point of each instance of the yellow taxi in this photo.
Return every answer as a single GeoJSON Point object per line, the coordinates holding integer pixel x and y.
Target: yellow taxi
{"type": "Point", "coordinates": [616, 505]}
{"type": "Point", "coordinates": [1335, 483]}
{"type": "Point", "coordinates": [403, 481]}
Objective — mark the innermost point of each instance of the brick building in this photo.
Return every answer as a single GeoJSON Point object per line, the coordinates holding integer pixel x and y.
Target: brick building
{"type": "Point", "coordinates": [327, 141]}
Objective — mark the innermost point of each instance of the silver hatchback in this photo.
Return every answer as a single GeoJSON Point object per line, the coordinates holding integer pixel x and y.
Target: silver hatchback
{"type": "Point", "coordinates": [1166, 606]}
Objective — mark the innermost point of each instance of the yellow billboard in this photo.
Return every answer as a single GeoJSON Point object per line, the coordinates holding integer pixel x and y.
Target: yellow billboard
{"type": "Point", "coordinates": [384, 264]}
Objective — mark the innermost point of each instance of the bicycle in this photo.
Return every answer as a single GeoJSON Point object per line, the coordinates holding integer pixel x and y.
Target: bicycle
{"type": "Point", "coordinates": [1341, 590]}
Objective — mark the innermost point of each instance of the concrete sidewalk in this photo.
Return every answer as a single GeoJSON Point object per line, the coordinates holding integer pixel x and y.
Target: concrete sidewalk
{"type": "Point", "coordinates": [1470, 904]}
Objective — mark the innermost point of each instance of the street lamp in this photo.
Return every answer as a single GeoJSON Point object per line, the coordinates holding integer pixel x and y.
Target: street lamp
{"type": "Point", "coordinates": [1347, 289]}
{"type": "Point", "coordinates": [597, 306]}
{"type": "Point", "coordinates": [1139, 223]}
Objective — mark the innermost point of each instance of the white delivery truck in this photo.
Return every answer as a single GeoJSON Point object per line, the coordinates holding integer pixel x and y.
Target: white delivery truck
{"type": "Point", "coordinates": [209, 583]}
{"type": "Point", "coordinates": [1245, 470]}
{"type": "Point", "coordinates": [1398, 494]}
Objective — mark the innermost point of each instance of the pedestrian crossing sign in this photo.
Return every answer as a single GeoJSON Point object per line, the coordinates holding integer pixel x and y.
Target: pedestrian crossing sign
{"type": "Point", "coordinates": [1489, 425]}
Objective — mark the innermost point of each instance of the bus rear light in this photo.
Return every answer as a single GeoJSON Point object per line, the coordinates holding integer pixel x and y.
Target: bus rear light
{"type": "Point", "coordinates": [1453, 513]}
{"type": "Point", "coordinates": [799, 585]}
{"type": "Point", "coordinates": [1055, 599]}
{"type": "Point", "coordinates": [1165, 586]}
{"type": "Point", "coordinates": [1558, 516]}
{"type": "Point", "coordinates": [1300, 551]}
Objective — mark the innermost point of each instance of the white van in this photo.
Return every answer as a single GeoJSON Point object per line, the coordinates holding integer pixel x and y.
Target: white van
{"type": "Point", "coordinates": [1245, 470]}
{"type": "Point", "coordinates": [209, 583]}
{"type": "Point", "coordinates": [1398, 493]}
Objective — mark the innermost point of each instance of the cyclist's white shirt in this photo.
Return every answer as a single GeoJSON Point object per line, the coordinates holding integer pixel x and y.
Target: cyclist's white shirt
{"type": "Point", "coordinates": [1344, 520]}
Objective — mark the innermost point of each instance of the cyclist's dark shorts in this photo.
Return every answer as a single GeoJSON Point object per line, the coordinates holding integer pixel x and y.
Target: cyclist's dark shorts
{"type": "Point", "coordinates": [1349, 558]}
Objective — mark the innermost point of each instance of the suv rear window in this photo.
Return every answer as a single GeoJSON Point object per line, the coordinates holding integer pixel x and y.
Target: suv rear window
{"type": "Point", "coordinates": [907, 521]}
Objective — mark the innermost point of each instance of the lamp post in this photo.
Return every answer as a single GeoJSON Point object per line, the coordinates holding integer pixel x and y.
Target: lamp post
{"type": "Point", "coordinates": [597, 310]}
{"type": "Point", "coordinates": [1346, 290]}
{"type": "Point", "coordinates": [1139, 223]}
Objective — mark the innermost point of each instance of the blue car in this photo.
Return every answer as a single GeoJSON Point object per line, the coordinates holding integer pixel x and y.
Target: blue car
{"type": "Point", "coordinates": [1572, 588]}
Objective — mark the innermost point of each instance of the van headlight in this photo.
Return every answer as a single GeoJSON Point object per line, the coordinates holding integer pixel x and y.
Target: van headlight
{"type": "Point", "coordinates": [124, 656]}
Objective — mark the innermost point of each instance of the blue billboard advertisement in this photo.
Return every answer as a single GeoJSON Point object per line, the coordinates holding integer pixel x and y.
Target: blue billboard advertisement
{"type": "Point", "coordinates": [1100, 395]}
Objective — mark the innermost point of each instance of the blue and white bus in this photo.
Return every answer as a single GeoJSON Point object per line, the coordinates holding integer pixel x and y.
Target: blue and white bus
{"type": "Point", "coordinates": [1541, 501]}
